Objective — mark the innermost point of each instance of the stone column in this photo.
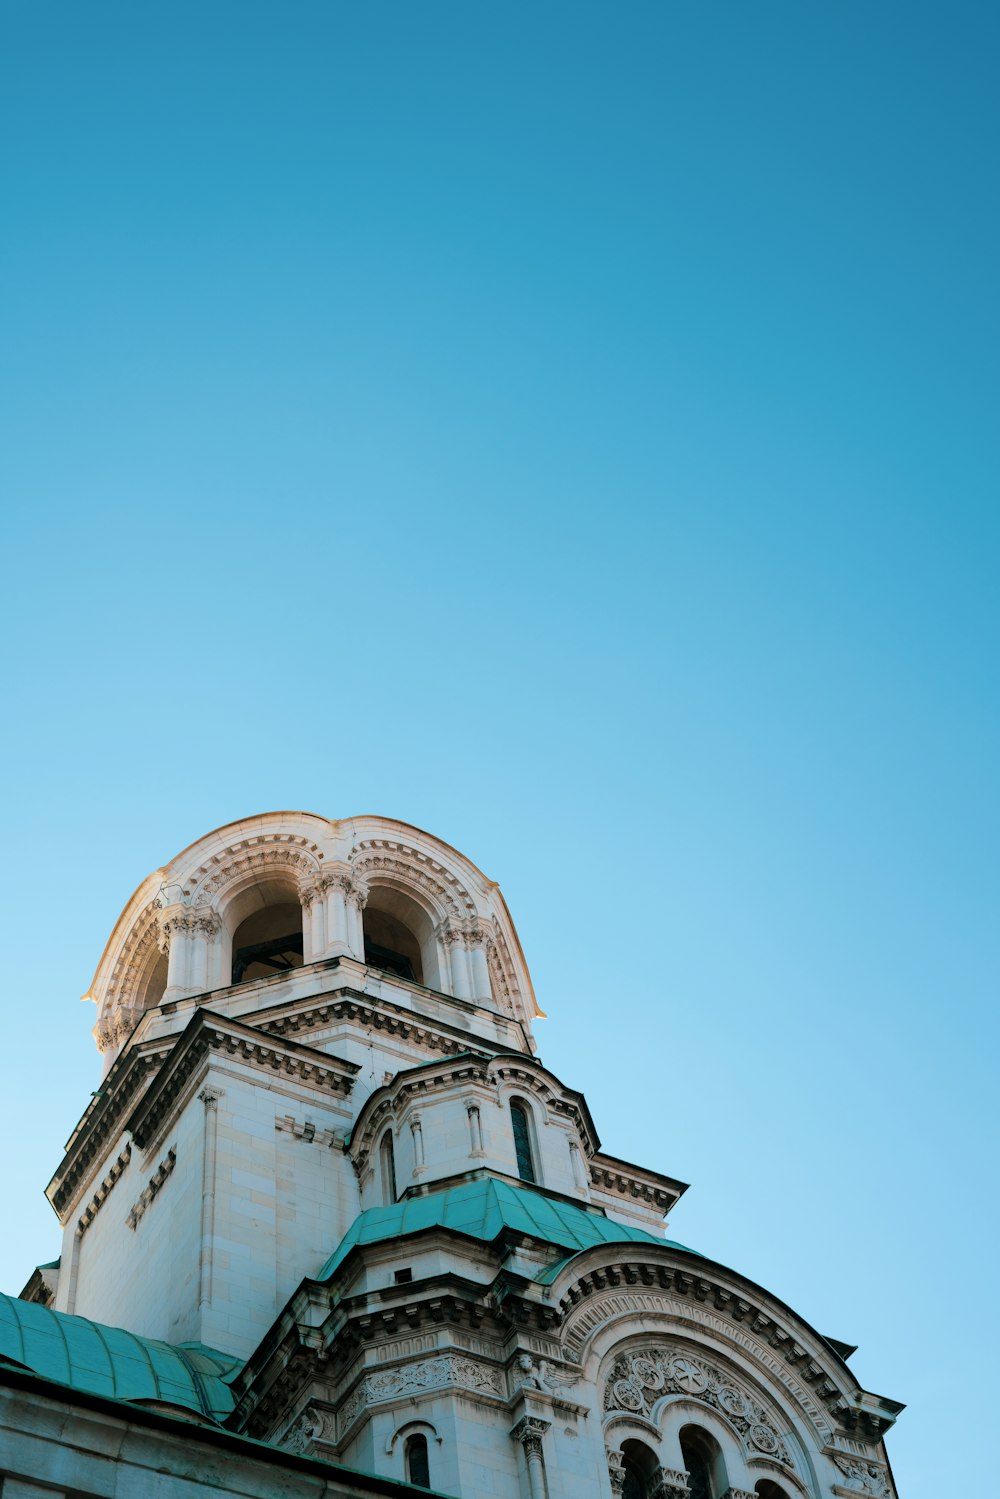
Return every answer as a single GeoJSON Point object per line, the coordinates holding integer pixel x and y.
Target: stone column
{"type": "Point", "coordinates": [204, 926]}
{"type": "Point", "coordinates": [453, 942]}
{"type": "Point", "coordinates": [338, 881]}
{"type": "Point", "coordinates": [576, 1164]}
{"type": "Point", "coordinates": [479, 938]}
{"type": "Point", "coordinates": [357, 899]}
{"type": "Point", "coordinates": [529, 1432]}
{"type": "Point", "coordinates": [176, 940]}
{"type": "Point", "coordinates": [616, 1472]}
{"type": "Point", "coordinates": [209, 1096]}
{"type": "Point", "coordinates": [417, 1132]}
{"type": "Point", "coordinates": [313, 922]}
{"type": "Point", "coordinates": [475, 1129]}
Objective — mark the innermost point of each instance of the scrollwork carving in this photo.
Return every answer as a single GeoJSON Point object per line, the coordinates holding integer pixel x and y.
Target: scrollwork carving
{"type": "Point", "coordinates": [427, 1374]}
{"type": "Point", "coordinates": [637, 1380]}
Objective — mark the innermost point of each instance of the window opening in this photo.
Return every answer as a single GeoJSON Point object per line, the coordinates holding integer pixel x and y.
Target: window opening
{"type": "Point", "coordinates": [697, 1453]}
{"type": "Point", "coordinates": [388, 1158]}
{"type": "Point", "coordinates": [417, 1465]}
{"type": "Point", "coordinates": [276, 956]}
{"type": "Point", "coordinates": [389, 961]}
{"type": "Point", "coordinates": [522, 1142]}
{"type": "Point", "coordinates": [633, 1487]}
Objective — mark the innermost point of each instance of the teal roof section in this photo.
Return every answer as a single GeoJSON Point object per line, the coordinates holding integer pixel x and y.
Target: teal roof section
{"type": "Point", "coordinates": [483, 1208]}
{"type": "Point", "coordinates": [108, 1361]}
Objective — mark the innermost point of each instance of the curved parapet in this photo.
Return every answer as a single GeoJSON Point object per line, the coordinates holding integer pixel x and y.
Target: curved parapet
{"type": "Point", "coordinates": [288, 889]}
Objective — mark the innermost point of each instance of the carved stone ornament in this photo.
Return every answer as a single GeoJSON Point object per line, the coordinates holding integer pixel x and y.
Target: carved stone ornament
{"type": "Point", "coordinates": [616, 1471]}
{"type": "Point", "coordinates": [532, 1375]}
{"type": "Point", "coordinates": [303, 1432]}
{"type": "Point", "coordinates": [638, 1380]}
{"type": "Point", "coordinates": [670, 1483]}
{"type": "Point", "coordinates": [529, 1432]}
{"type": "Point", "coordinates": [862, 1477]}
{"type": "Point", "coordinates": [428, 1374]}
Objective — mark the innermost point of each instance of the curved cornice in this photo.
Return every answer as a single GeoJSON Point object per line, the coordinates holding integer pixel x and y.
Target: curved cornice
{"type": "Point", "coordinates": [599, 1288]}
{"type": "Point", "coordinates": [199, 874]}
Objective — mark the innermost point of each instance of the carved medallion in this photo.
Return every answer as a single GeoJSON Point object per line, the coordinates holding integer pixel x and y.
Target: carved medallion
{"type": "Point", "coordinates": [637, 1380]}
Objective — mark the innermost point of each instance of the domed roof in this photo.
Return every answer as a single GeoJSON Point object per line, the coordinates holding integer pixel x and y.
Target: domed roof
{"type": "Point", "coordinates": [111, 1362]}
{"type": "Point", "coordinates": [482, 1208]}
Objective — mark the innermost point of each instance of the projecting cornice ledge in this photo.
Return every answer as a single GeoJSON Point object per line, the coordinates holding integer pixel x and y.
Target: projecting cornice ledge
{"type": "Point", "coordinates": [621, 1179]}
{"type": "Point", "coordinates": [103, 1121]}
{"type": "Point", "coordinates": [208, 1034]}
{"type": "Point", "coordinates": [600, 1288]}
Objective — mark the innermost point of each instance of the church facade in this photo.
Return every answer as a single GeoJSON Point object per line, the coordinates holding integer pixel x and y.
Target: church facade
{"type": "Point", "coordinates": [330, 1226]}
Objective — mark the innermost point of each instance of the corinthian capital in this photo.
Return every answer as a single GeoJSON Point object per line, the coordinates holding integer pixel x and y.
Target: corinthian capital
{"type": "Point", "coordinates": [529, 1432]}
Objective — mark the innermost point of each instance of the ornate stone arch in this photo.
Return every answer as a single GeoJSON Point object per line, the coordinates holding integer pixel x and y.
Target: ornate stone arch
{"type": "Point", "coordinates": [390, 862]}
{"type": "Point", "coordinates": [613, 1302]}
{"type": "Point", "coordinates": [219, 878]}
{"type": "Point", "coordinates": [664, 1379]}
{"type": "Point", "coordinates": [127, 988]}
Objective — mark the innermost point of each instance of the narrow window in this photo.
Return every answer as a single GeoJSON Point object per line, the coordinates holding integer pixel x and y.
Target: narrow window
{"type": "Point", "coordinates": [522, 1142]}
{"type": "Point", "coordinates": [388, 1160]}
{"type": "Point", "coordinates": [702, 1457]}
{"type": "Point", "coordinates": [417, 1465]}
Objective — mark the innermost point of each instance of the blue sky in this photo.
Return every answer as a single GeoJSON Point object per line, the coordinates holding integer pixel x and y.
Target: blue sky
{"type": "Point", "coordinates": [570, 429]}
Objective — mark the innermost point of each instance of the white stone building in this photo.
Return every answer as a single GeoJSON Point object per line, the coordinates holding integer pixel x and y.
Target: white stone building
{"type": "Point", "coordinates": [331, 1227]}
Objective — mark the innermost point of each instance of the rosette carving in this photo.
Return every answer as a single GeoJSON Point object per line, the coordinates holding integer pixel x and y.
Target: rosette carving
{"type": "Point", "coordinates": [637, 1380]}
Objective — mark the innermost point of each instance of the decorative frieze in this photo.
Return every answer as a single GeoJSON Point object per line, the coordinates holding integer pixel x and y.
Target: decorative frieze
{"type": "Point", "coordinates": [298, 856]}
{"type": "Point", "coordinates": [666, 1291]}
{"type": "Point", "coordinates": [153, 1187]}
{"type": "Point", "coordinates": [447, 1369]}
{"type": "Point", "coordinates": [639, 1379]}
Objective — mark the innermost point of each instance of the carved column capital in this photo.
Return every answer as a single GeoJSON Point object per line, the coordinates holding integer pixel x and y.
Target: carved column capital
{"type": "Point", "coordinates": [187, 921]}
{"type": "Point", "coordinates": [616, 1470]}
{"type": "Point", "coordinates": [670, 1483]}
{"type": "Point", "coordinates": [529, 1432]}
{"type": "Point", "coordinates": [358, 893]}
{"type": "Point", "coordinates": [210, 1095]}
{"type": "Point", "coordinates": [449, 934]}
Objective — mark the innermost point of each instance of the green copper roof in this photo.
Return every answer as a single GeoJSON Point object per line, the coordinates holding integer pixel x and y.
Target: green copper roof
{"type": "Point", "coordinates": [482, 1209]}
{"type": "Point", "coordinates": [111, 1362]}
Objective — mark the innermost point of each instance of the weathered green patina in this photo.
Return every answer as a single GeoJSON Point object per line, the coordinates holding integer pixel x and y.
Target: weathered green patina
{"type": "Point", "coordinates": [111, 1362]}
{"type": "Point", "coordinates": [482, 1209]}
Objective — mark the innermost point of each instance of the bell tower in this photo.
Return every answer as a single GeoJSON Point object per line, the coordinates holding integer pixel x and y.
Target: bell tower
{"type": "Point", "coordinates": [327, 1162]}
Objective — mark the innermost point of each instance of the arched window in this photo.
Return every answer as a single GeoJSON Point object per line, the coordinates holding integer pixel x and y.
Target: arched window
{"type": "Point", "coordinates": [765, 1489]}
{"type": "Point", "coordinates": [702, 1457]}
{"type": "Point", "coordinates": [522, 1142]}
{"type": "Point", "coordinates": [399, 936]}
{"type": "Point", "coordinates": [417, 1465]}
{"type": "Point", "coordinates": [640, 1465]}
{"type": "Point", "coordinates": [387, 1160]}
{"type": "Point", "coordinates": [269, 941]}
